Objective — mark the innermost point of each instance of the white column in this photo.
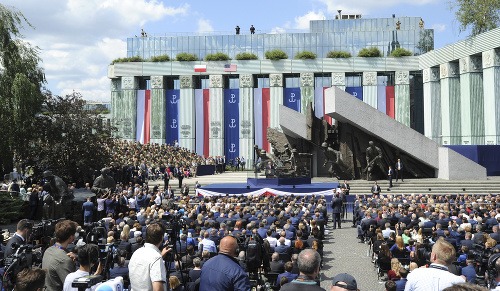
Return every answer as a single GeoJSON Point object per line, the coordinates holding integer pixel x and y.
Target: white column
{"type": "Point", "coordinates": [370, 88]}
{"type": "Point", "coordinates": [216, 109]}
{"type": "Point", "coordinates": [402, 97]}
{"type": "Point", "coordinates": [450, 104]}
{"type": "Point", "coordinates": [187, 118]}
{"type": "Point", "coordinates": [129, 108]}
{"type": "Point", "coordinates": [471, 100]}
{"type": "Point", "coordinates": [432, 104]}
{"type": "Point", "coordinates": [491, 87]}
{"type": "Point", "coordinates": [338, 80]}
{"type": "Point", "coordinates": [158, 112]}
{"type": "Point", "coordinates": [246, 119]}
{"type": "Point", "coordinates": [276, 96]}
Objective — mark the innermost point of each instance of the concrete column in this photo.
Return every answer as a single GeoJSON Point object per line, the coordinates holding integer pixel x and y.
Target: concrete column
{"type": "Point", "coordinates": [338, 80]}
{"type": "Point", "coordinates": [402, 97]}
{"type": "Point", "coordinates": [216, 108]}
{"type": "Point", "coordinates": [450, 104]}
{"type": "Point", "coordinates": [370, 88]}
{"type": "Point", "coordinates": [158, 110]}
{"type": "Point", "coordinates": [432, 104]}
{"type": "Point", "coordinates": [128, 114]}
{"type": "Point", "coordinates": [246, 119]}
{"type": "Point", "coordinates": [471, 100]}
{"type": "Point", "coordinates": [276, 98]}
{"type": "Point", "coordinates": [116, 106]}
{"type": "Point", "coordinates": [491, 79]}
{"type": "Point", "coordinates": [187, 118]}
{"type": "Point", "coordinates": [306, 91]}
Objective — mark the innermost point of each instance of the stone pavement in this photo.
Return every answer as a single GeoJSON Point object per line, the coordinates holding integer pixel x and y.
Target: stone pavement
{"type": "Point", "coordinates": [344, 254]}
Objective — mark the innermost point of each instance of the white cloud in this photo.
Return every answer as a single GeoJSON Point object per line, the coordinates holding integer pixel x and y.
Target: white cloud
{"type": "Point", "coordinates": [277, 30]}
{"type": "Point", "coordinates": [204, 25]}
{"type": "Point", "coordinates": [302, 22]}
{"type": "Point", "coordinates": [439, 27]}
{"type": "Point", "coordinates": [74, 37]}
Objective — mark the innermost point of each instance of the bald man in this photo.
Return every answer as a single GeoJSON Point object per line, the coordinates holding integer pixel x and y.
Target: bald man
{"type": "Point", "coordinates": [223, 272]}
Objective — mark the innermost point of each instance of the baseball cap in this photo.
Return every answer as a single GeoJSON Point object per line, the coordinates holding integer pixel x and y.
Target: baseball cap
{"type": "Point", "coordinates": [350, 282]}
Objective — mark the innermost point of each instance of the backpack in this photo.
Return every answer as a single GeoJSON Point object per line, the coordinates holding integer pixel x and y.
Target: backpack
{"type": "Point", "coordinates": [253, 256]}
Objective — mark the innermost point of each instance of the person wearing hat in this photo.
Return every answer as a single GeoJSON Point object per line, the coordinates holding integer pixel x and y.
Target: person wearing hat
{"type": "Point", "coordinates": [343, 282]}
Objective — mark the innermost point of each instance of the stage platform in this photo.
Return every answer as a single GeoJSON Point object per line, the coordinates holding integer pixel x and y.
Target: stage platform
{"type": "Point", "coordinates": [242, 188]}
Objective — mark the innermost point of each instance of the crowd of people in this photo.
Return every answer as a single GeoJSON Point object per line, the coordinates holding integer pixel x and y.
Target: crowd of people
{"type": "Point", "coordinates": [430, 242]}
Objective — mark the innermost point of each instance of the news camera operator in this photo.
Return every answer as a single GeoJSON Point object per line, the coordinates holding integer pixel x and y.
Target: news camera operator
{"type": "Point", "coordinates": [88, 257]}
{"type": "Point", "coordinates": [57, 260]}
{"type": "Point", "coordinates": [21, 236]}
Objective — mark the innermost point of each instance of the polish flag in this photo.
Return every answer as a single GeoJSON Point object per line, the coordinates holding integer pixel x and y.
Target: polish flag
{"type": "Point", "coordinates": [200, 68]}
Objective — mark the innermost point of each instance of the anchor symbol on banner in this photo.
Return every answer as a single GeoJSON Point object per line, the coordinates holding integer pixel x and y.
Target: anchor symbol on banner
{"type": "Point", "coordinates": [174, 99]}
{"type": "Point", "coordinates": [233, 123]}
{"type": "Point", "coordinates": [233, 99]}
{"type": "Point", "coordinates": [174, 123]}
{"type": "Point", "coordinates": [232, 149]}
{"type": "Point", "coordinates": [355, 94]}
{"type": "Point", "coordinates": [292, 98]}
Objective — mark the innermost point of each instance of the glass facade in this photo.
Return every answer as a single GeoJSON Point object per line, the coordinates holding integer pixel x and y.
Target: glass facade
{"type": "Point", "coordinates": [325, 35]}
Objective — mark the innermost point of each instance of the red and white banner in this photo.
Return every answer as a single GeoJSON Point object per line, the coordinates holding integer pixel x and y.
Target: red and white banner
{"type": "Point", "coordinates": [264, 192]}
{"type": "Point", "coordinates": [143, 117]}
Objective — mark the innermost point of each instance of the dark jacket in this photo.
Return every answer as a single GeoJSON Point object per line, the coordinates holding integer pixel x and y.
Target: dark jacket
{"type": "Point", "coordinates": [223, 272]}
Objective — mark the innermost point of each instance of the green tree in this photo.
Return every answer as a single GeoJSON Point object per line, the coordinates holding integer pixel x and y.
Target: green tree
{"type": "Point", "coordinates": [71, 141]}
{"type": "Point", "coordinates": [246, 56]}
{"type": "Point", "coordinates": [477, 15]}
{"type": "Point", "coordinates": [338, 55]}
{"type": "Point", "coordinates": [305, 55]}
{"type": "Point", "coordinates": [401, 52]}
{"type": "Point", "coordinates": [371, 52]}
{"type": "Point", "coordinates": [275, 55]}
{"type": "Point", "coordinates": [21, 80]}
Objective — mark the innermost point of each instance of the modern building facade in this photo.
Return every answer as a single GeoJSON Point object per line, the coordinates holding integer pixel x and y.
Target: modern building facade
{"type": "Point", "coordinates": [224, 108]}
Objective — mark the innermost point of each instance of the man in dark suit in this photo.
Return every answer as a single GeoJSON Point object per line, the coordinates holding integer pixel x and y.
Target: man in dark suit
{"type": "Point", "coordinates": [399, 170]}
{"type": "Point", "coordinates": [375, 189]}
{"type": "Point", "coordinates": [467, 241]}
{"type": "Point", "coordinates": [170, 193]}
{"type": "Point", "coordinates": [495, 234]}
{"type": "Point", "coordinates": [185, 190]}
{"type": "Point", "coordinates": [22, 232]}
{"type": "Point", "coordinates": [389, 176]}
{"type": "Point", "coordinates": [336, 210]}
{"type": "Point", "coordinates": [281, 248]}
{"type": "Point", "coordinates": [276, 265]}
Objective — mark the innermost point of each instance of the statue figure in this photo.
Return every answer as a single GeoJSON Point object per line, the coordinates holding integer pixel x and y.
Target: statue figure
{"type": "Point", "coordinates": [264, 158]}
{"type": "Point", "coordinates": [104, 183]}
{"type": "Point", "coordinates": [373, 159]}
{"type": "Point", "coordinates": [334, 158]}
{"type": "Point", "coordinates": [60, 194]}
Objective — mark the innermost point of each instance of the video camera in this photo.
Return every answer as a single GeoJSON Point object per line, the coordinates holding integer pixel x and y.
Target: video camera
{"type": "Point", "coordinates": [173, 225]}
{"type": "Point", "coordinates": [24, 257]}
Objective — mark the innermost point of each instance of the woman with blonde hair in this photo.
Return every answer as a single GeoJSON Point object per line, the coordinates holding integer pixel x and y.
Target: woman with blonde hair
{"type": "Point", "coordinates": [393, 273]}
{"type": "Point", "coordinates": [398, 250]}
{"type": "Point", "coordinates": [175, 284]}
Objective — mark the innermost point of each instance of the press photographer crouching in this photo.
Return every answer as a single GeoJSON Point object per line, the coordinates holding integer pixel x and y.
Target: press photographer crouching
{"type": "Point", "coordinates": [88, 257]}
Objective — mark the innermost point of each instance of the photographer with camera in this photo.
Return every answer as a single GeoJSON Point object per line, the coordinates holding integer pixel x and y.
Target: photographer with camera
{"type": "Point", "coordinates": [20, 238]}
{"type": "Point", "coordinates": [88, 257]}
{"type": "Point", "coordinates": [437, 276]}
{"type": "Point", "coordinates": [57, 260]}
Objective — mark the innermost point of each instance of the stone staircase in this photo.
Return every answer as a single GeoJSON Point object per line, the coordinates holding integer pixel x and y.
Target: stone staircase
{"type": "Point", "coordinates": [429, 186]}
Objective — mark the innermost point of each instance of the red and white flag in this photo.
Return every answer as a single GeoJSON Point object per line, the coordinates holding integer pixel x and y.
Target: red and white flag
{"type": "Point", "coordinates": [200, 68]}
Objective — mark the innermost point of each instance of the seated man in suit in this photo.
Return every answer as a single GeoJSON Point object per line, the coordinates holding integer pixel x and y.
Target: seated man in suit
{"type": "Point", "coordinates": [281, 247]}
{"type": "Point", "coordinates": [288, 274]}
{"type": "Point", "coordinates": [276, 265]}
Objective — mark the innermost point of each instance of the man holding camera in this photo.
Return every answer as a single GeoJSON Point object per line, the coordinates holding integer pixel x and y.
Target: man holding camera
{"type": "Point", "coordinates": [23, 230]}
{"type": "Point", "coordinates": [88, 256]}
{"type": "Point", "coordinates": [56, 259]}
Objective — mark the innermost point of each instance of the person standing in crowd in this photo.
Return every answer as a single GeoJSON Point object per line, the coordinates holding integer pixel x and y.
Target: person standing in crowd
{"type": "Point", "coordinates": [34, 200]}
{"type": "Point", "coordinates": [336, 210]}
{"type": "Point", "coordinates": [399, 170]}
{"type": "Point", "coordinates": [23, 230]}
{"type": "Point", "coordinates": [88, 211]}
{"type": "Point", "coordinates": [437, 275]}
{"type": "Point", "coordinates": [56, 259]}
{"type": "Point", "coordinates": [375, 189]}
{"type": "Point", "coordinates": [389, 176]}
{"type": "Point", "coordinates": [252, 29]}
{"type": "Point", "coordinates": [88, 256]}
{"type": "Point", "coordinates": [223, 272]}
{"type": "Point", "coordinates": [343, 282]}
{"type": "Point", "coordinates": [146, 267]}
{"type": "Point", "coordinates": [185, 190]}
{"type": "Point", "coordinates": [309, 262]}
{"type": "Point", "coordinates": [30, 280]}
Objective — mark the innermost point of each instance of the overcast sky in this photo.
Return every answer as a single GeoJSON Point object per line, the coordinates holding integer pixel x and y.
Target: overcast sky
{"type": "Point", "coordinates": [79, 38]}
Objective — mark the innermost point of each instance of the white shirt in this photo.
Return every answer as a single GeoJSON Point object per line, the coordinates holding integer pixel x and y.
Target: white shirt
{"type": "Point", "coordinates": [75, 275]}
{"type": "Point", "coordinates": [272, 241]}
{"type": "Point", "coordinates": [145, 267]}
{"type": "Point", "coordinates": [431, 279]}
{"type": "Point", "coordinates": [100, 204]}
{"type": "Point", "coordinates": [131, 203]}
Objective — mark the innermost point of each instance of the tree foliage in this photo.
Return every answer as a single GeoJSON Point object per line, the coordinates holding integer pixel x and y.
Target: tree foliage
{"type": "Point", "coordinates": [275, 55]}
{"type": "Point", "coordinates": [305, 55]}
{"type": "Point", "coordinates": [338, 55]}
{"type": "Point", "coordinates": [71, 141]}
{"type": "Point", "coordinates": [477, 15]}
{"type": "Point", "coordinates": [186, 57]}
{"type": "Point", "coordinates": [371, 52]}
{"type": "Point", "coordinates": [401, 52]}
{"type": "Point", "coordinates": [246, 56]}
{"type": "Point", "coordinates": [21, 80]}
{"type": "Point", "coordinates": [160, 58]}
{"type": "Point", "coordinates": [128, 60]}
{"type": "Point", "coordinates": [217, 57]}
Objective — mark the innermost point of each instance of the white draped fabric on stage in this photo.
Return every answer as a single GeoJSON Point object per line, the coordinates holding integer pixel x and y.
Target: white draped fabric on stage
{"type": "Point", "coordinates": [264, 191]}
